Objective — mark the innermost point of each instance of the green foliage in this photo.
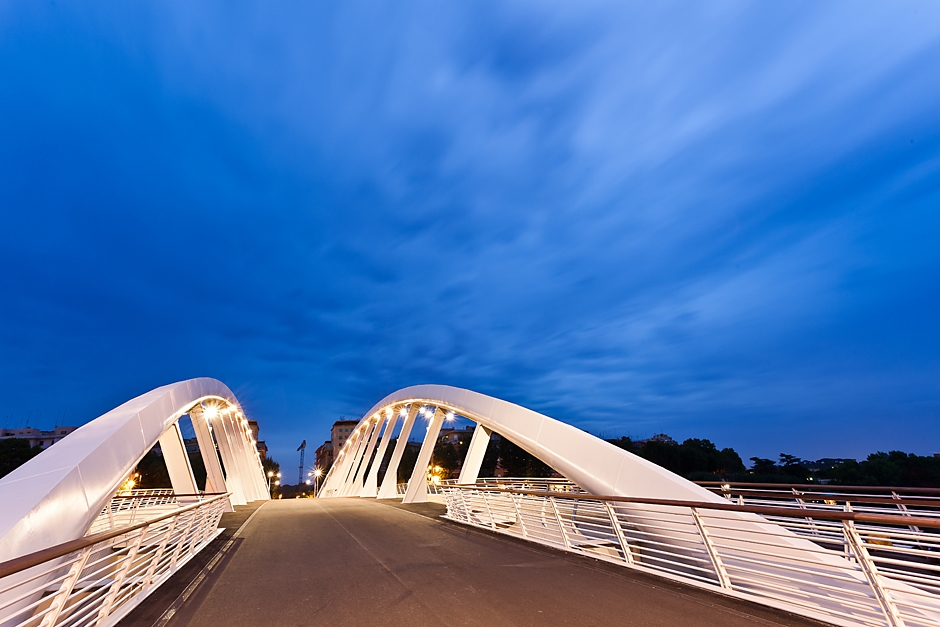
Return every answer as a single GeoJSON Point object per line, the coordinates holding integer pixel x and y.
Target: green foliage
{"type": "Point", "coordinates": [695, 457]}
{"type": "Point", "coordinates": [14, 453]}
{"type": "Point", "coordinates": [889, 469]}
{"type": "Point", "coordinates": [271, 466]}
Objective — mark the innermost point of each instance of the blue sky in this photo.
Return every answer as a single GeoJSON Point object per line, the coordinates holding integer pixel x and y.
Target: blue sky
{"type": "Point", "coordinates": [715, 220]}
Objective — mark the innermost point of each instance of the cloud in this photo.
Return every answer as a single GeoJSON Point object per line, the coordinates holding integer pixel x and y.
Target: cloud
{"type": "Point", "coordinates": [715, 221]}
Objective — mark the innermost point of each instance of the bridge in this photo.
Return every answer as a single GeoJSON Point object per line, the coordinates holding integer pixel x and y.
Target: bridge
{"type": "Point", "coordinates": [613, 539]}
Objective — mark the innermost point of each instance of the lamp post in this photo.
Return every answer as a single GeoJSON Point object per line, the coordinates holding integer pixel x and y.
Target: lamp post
{"type": "Point", "coordinates": [317, 473]}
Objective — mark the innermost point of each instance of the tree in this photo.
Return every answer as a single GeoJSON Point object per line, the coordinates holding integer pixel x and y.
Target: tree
{"type": "Point", "coordinates": [14, 453]}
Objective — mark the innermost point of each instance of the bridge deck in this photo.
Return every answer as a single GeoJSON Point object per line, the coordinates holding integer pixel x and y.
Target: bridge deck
{"type": "Point", "coordinates": [360, 562]}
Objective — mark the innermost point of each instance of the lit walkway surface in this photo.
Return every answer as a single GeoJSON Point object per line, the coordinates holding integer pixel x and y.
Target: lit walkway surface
{"type": "Point", "coordinates": [357, 561]}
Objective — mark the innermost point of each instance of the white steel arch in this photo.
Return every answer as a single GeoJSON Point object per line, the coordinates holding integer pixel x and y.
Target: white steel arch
{"type": "Point", "coordinates": [55, 496]}
{"type": "Point", "coordinates": [595, 465]}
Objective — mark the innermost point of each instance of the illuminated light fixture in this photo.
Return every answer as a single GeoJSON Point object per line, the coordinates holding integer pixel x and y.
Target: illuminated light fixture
{"type": "Point", "coordinates": [450, 415]}
{"type": "Point", "coordinates": [403, 411]}
{"type": "Point", "coordinates": [388, 412]}
{"type": "Point", "coordinates": [212, 411]}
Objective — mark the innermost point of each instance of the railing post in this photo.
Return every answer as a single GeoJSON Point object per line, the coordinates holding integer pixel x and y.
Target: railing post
{"type": "Point", "coordinates": [65, 589]}
{"type": "Point", "coordinates": [720, 571]}
{"type": "Point", "coordinates": [120, 575]}
{"type": "Point", "coordinates": [155, 558]}
{"type": "Point", "coordinates": [512, 497]}
{"type": "Point", "coordinates": [182, 540]}
{"type": "Point", "coordinates": [854, 540]}
{"type": "Point", "coordinates": [489, 511]}
{"type": "Point", "coordinates": [561, 526]}
{"type": "Point", "coordinates": [615, 523]}
{"type": "Point", "coordinates": [802, 505]}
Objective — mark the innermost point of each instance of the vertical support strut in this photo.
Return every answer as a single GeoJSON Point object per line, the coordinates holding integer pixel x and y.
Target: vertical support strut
{"type": "Point", "coordinates": [177, 463]}
{"type": "Point", "coordinates": [475, 453]}
{"type": "Point", "coordinates": [356, 488]}
{"type": "Point", "coordinates": [215, 480]}
{"type": "Point", "coordinates": [389, 483]}
{"type": "Point", "coordinates": [371, 486]}
{"type": "Point", "coordinates": [361, 436]}
{"type": "Point", "coordinates": [232, 479]}
{"type": "Point", "coordinates": [418, 485]}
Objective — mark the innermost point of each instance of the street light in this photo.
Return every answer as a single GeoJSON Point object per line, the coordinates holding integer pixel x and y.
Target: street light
{"type": "Point", "coordinates": [317, 473]}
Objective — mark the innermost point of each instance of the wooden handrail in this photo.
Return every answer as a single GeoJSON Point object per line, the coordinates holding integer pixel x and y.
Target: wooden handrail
{"type": "Point", "coordinates": [878, 519]}
{"type": "Point", "coordinates": [36, 558]}
{"type": "Point", "coordinates": [819, 496]}
{"type": "Point", "coordinates": [819, 486]}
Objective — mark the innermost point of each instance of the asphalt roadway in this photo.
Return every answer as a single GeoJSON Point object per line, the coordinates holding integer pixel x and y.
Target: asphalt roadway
{"type": "Point", "coordinates": [361, 562]}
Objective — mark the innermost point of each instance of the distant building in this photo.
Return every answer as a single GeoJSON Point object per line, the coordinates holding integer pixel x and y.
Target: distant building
{"type": "Point", "coordinates": [659, 437]}
{"type": "Point", "coordinates": [826, 463]}
{"type": "Point", "coordinates": [340, 433]}
{"type": "Point", "coordinates": [454, 436]}
{"type": "Point", "coordinates": [37, 437]}
{"type": "Point", "coordinates": [261, 446]}
{"type": "Point", "coordinates": [325, 456]}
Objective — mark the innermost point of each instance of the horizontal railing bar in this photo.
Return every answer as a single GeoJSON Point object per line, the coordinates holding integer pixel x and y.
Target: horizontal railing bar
{"type": "Point", "coordinates": [817, 486]}
{"type": "Point", "coordinates": [860, 498]}
{"type": "Point", "coordinates": [17, 564]}
{"type": "Point", "coordinates": [896, 519]}
{"type": "Point", "coordinates": [163, 496]}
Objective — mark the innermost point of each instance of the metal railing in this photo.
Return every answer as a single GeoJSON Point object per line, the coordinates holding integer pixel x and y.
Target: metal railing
{"type": "Point", "coordinates": [863, 499]}
{"type": "Point", "coordinates": [845, 568]}
{"type": "Point", "coordinates": [98, 579]}
{"type": "Point", "coordinates": [130, 506]}
{"type": "Point", "coordinates": [514, 483]}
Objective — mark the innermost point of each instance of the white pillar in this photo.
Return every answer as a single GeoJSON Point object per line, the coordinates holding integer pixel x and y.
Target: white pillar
{"type": "Point", "coordinates": [337, 474]}
{"type": "Point", "coordinates": [418, 485]}
{"type": "Point", "coordinates": [232, 479]}
{"type": "Point", "coordinates": [389, 483]}
{"type": "Point", "coordinates": [215, 480]}
{"type": "Point", "coordinates": [356, 487]}
{"type": "Point", "coordinates": [366, 429]}
{"type": "Point", "coordinates": [370, 487]}
{"type": "Point", "coordinates": [474, 459]}
{"type": "Point", "coordinates": [253, 467]}
{"type": "Point", "coordinates": [177, 463]}
{"type": "Point", "coordinates": [238, 455]}
{"type": "Point", "coordinates": [355, 454]}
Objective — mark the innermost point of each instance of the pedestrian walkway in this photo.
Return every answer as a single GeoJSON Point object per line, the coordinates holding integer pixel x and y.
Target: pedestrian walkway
{"type": "Point", "coordinates": [361, 562]}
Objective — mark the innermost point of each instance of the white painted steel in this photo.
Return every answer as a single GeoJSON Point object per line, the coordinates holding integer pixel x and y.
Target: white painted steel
{"type": "Point", "coordinates": [600, 468]}
{"type": "Point", "coordinates": [475, 453]}
{"type": "Point", "coordinates": [371, 487]}
{"type": "Point", "coordinates": [390, 482]}
{"type": "Point", "coordinates": [418, 485]}
{"type": "Point", "coordinates": [100, 582]}
{"type": "Point", "coordinates": [57, 495]}
{"type": "Point", "coordinates": [892, 577]}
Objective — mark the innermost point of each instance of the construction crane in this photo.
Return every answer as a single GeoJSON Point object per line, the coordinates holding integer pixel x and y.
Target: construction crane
{"type": "Point", "coordinates": [300, 471]}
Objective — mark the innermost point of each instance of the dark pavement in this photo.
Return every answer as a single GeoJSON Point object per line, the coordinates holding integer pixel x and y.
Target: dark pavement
{"type": "Point", "coordinates": [362, 562]}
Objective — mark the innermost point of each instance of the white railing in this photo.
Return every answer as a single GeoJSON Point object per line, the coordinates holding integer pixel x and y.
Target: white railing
{"type": "Point", "coordinates": [131, 506]}
{"type": "Point", "coordinates": [514, 483]}
{"type": "Point", "coordinates": [845, 568]}
{"type": "Point", "coordinates": [98, 579]}
{"type": "Point", "coordinates": [923, 502]}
